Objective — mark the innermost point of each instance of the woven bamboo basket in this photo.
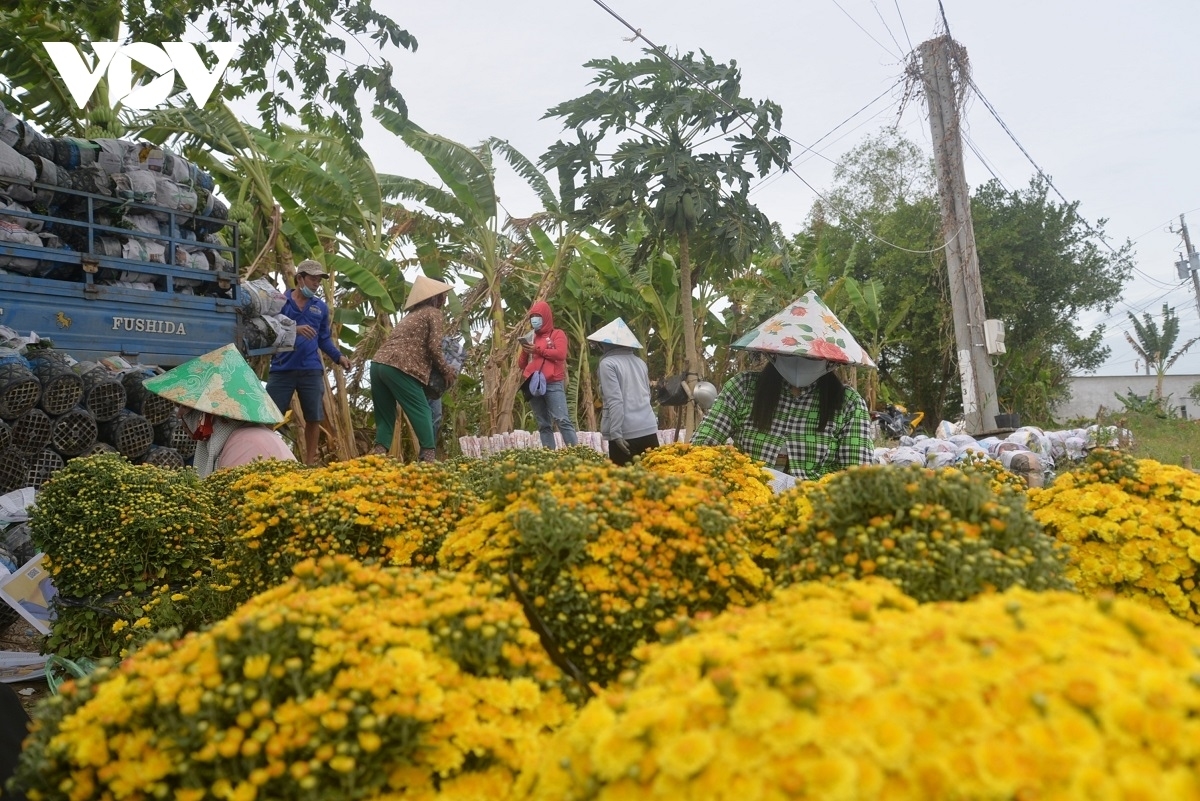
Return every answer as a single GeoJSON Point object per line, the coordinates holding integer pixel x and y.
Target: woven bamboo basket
{"type": "Point", "coordinates": [62, 389]}
{"type": "Point", "coordinates": [74, 433]}
{"type": "Point", "coordinates": [12, 470]}
{"type": "Point", "coordinates": [172, 434]}
{"type": "Point", "coordinates": [20, 390]}
{"type": "Point", "coordinates": [103, 394]}
{"type": "Point", "coordinates": [130, 433]}
{"type": "Point", "coordinates": [166, 458]}
{"type": "Point", "coordinates": [31, 432]}
{"type": "Point", "coordinates": [139, 400]}
{"type": "Point", "coordinates": [41, 466]}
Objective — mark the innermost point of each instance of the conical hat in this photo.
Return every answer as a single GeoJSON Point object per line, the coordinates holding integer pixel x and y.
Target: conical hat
{"type": "Point", "coordinates": [806, 328]}
{"type": "Point", "coordinates": [616, 333]}
{"type": "Point", "coordinates": [425, 288]}
{"type": "Point", "coordinates": [219, 383]}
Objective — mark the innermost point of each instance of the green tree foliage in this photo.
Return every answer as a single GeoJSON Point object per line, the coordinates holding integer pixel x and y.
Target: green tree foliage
{"type": "Point", "coordinates": [1041, 263]}
{"type": "Point", "coordinates": [298, 60]}
{"type": "Point", "coordinates": [683, 153]}
{"type": "Point", "coordinates": [1042, 266]}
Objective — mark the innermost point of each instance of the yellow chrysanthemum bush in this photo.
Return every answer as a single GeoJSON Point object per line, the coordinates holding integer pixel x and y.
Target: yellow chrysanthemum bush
{"type": "Point", "coordinates": [999, 477]}
{"type": "Point", "coordinates": [940, 534]}
{"type": "Point", "coordinates": [347, 682]}
{"type": "Point", "coordinates": [114, 534]}
{"type": "Point", "coordinates": [1133, 527]}
{"type": "Point", "coordinates": [230, 486]}
{"type": "Point", "coordinates": [744, 481]}
{"type": "Point", "coordinates": [370, 508]}
{"type": "Point", "coordinates": [854, 691]}
{"type": "Point", "coordinates": [602, 554]}
{"type": "Point", "coordinates": [500, 474]}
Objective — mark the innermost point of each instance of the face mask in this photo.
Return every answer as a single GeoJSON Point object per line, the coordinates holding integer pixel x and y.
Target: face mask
{"type": "Point", "coordinates": [799, 371]}
{"type": "Point", "coordinates": [536, 322]}
{"type": "Point", "coordinates": [308, 293]}
{"type": "Point", "coordinates": [198, 425]}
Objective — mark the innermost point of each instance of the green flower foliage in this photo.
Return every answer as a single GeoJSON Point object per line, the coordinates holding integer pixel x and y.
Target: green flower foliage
{"type": "Point", "coordinates": [501, 474]}
{"type": "Point", "coordinates": [116, 534]}
{"type": "Point", "coordinates": [107, 526]}
{"type": "Point", "coordinates": [940, 535]}
{"type": "Point", "coordinates": [603, 557]}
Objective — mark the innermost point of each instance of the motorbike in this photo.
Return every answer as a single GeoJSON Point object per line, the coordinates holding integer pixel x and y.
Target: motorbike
{"type": "Point", "coordinates": [895, 421]}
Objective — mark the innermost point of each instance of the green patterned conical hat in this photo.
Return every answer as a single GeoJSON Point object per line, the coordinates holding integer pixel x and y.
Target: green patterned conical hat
{"type": "Point", "coordinates": [218, 383]}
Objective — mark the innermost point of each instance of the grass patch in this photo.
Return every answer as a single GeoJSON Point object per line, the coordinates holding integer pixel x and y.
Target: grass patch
{"type": "Point", "coordinates": [1174, 441]}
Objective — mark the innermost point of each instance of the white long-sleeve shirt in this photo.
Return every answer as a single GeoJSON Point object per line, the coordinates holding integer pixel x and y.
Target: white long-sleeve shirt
{"type": "Point", "coordinates": [625, 385]}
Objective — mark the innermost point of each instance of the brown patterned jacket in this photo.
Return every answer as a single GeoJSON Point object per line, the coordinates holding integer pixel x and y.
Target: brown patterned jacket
{"type": "Point", "coordinates": [415, 345]}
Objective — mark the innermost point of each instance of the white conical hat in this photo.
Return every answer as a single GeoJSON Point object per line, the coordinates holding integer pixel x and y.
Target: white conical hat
{"type": "Point", "coordinates": [425, 288]}
{"type": "Point", "coordinates": [806, 328]}
{"type": "Point", "coordinates": [616, 333]}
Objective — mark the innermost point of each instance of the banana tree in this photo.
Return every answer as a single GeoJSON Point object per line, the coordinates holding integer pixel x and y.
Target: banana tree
{"type": "Point", "coordinates": [464, 233]}
{"type": "Point", "coordinates": [302, 193]}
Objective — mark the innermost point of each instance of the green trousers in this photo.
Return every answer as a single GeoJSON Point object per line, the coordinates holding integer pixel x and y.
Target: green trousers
{"type": "Point", "coordinates": [390, 386]}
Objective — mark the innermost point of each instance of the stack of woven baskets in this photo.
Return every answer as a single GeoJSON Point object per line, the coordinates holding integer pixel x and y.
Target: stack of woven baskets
{"type": "Point", "coordinates": [53, 409]}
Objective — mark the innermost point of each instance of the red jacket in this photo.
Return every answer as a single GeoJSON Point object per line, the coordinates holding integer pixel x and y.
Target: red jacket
{"type": "Point", "coordinates": [549, 347]}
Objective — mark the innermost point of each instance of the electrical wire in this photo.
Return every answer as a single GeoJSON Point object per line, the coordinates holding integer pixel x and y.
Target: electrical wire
{"type": "Point", "coordinates": [1041, 173]}
{"type": "Point", "coordinates": [637, 34]}
{"type": "Point", "coordinates": [907, 38]}
{"type": "Point", "coordinates": [864, 30]}
{"type": "Point", "coordinates": [879, 14]}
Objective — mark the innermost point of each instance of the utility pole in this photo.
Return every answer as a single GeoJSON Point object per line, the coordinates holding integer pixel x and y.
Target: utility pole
{"type": "Point", "coordinates": [980, 405]}
{"type": "Point", "coordinates": [1191, 262]}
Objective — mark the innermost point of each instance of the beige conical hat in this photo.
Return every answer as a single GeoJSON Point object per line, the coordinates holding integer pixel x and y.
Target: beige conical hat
{"type": "Point", "coordinates": [219, 383]}
{"type": "Point", "coordinates": [806, 328]}
{"type": "Point", "coordinates": [425, 288]}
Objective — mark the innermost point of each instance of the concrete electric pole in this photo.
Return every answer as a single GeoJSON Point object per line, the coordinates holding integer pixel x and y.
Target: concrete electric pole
{"type": "Point", "coordinates": [1190, 262]}
{"type": "Point", "coordinates": [941, 61]}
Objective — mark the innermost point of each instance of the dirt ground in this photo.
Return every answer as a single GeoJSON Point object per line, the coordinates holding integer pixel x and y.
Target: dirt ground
{"type": "Point", "coordinates": [20, 636]}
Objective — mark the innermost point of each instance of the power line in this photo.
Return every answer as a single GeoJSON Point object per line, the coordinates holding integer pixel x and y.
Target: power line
{"type": "Point", "coordinates": [637, 34]}
{"type": "Point", "coordinates": [1049, 182]}
{"type": "Point", "coordinates": [864, 30]}
{"type": "Point", "coordinates": [907, 38]}
{"type": "Point", "coordinates": [879, 14]}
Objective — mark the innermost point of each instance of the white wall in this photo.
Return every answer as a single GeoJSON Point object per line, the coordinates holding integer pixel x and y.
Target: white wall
{"type": "Point", "coordinates": [1089, 393]}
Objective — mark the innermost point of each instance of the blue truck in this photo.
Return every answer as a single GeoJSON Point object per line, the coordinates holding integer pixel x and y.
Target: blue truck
{"type": "Point", "coordinates": [75, 296]}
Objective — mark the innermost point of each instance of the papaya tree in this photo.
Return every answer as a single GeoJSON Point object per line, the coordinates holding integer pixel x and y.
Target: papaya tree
{"type": "Point", "coordinates": [682, 145]}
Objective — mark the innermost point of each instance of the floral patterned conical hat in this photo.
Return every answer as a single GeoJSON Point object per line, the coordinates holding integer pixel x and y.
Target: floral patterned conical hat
{"type": "Point", "coordinates": [616, 333]}
{"type": "Point", "coordinates": [218, 383]}
{"type": "Point", "coordinates": [806, 328]}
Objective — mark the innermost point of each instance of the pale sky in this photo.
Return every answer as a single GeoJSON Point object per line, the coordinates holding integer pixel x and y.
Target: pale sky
{"type": "Point", "coordinates": [1103, 94]}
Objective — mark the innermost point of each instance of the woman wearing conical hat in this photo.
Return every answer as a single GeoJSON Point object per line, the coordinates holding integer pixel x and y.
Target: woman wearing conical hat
{"type": "Point", "coordinates": [402, 365]}
{"type": "Point", "coordinates": [795, 414]}
{"type": "Point", "coordinates": [628, 421]}
{"type": "Point", "coordinates": [224, 407]}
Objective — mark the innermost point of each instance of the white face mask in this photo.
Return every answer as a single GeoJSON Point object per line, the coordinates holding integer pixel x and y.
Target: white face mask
{"type": "Point", "coordinates": [799, 371]}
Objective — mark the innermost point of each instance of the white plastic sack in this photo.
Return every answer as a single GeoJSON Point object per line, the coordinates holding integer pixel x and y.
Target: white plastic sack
{"type": "Point", "coordinates": [173, 196]}
{"type": "Point", "coordinates": [15, 167]}
{"type": "Point", "coordinates": [15, 234]}
{"type": "Point", "coordinates": [265, 298]}
{"type": "Point", "coordinates": [136, 185]}
{"type": "Point", "coordinates": [116, 155]}
{"type": "Point", "coordinates": [285, 331]}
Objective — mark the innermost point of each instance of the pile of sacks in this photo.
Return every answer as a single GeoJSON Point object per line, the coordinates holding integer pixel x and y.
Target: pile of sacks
{"type": "Point", "coordinates": [266, 327]}
{"type": "Point", "coordinates": [1029, 451]}
{"type": "Point", "coordinates": [174, 193]}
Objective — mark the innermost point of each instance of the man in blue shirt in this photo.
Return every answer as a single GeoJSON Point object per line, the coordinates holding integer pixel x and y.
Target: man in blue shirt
{"type": "Point", "coordinates": [300, 370]}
